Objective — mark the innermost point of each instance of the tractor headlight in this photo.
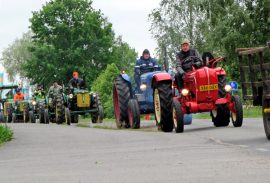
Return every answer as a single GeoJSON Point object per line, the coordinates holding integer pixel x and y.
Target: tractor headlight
{"type": "Point", "coordinates": [34, 103]}
{"type": "Point", "coordinates": [143, 87]}
{"type": "Point", "coordinates": [228, 88]}
{"type": "Point", "coordinates": [184, 92]}
{"type": "Point", "coordinates": [70, 95]}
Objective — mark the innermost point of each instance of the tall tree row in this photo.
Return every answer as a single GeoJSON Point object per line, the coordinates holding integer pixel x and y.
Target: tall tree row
{"type": "Point", "coordinates": [218, 26]}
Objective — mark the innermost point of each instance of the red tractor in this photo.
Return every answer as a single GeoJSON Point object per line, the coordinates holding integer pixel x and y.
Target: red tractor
{"type": "Point", "coordinates": [204, 90]}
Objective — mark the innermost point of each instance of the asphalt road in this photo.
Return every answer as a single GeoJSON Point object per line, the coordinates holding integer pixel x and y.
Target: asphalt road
{"type": "Point", "coordinates": [69, 154]}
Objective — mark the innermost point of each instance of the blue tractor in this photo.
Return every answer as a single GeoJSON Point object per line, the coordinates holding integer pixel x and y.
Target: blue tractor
{"type": "Point", "coordinates": [130, 103]}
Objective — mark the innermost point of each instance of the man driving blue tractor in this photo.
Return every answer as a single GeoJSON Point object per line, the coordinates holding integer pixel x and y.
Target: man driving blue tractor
{"type": "Point", "coordinates": [144, 64]}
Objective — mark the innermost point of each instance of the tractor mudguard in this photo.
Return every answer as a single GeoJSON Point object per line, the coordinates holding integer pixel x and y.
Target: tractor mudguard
{"type": "Point", "coordinates": [127, 79]}
{"type": "Point", "coordinates": [162, 76]}
{"type": "Point", "coordinates": [220, 71]}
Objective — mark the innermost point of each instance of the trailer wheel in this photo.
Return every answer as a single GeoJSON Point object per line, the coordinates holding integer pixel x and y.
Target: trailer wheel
{"type": "Point", "coordinates": [162, 97]}
{"type": "Point", "coordinates": [266, 116]}
{"type": "Point", "coordinates": [237, 113]}
{"type": "Point", "coordinates": [134, 114]}
{"type": "Point", "coordinates": [121, 96]}
{"type": "Point", "coordinates": [178, 116]}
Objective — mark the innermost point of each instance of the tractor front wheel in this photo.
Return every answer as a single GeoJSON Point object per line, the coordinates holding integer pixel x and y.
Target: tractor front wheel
{"type": "Point", "coordinates": [41, 113]}
{"type": "Point", "coordinates": [67, 116]}
{"type": "Point", "coordinates": [237, 113]}
{"type": "Point", "coordinates": [59, 110]}
{"type": "Point", "coordinates": [74, 118]}
{"type": "Point", "coordinates": [162, 96]}
{"type": "Point", "coordinates": [221, 116]}
{"type": "Point", "coordinates": [178, 116]}
{"type": "Point", "coordinates": [46, 116]}
{"type": "Point", "coordinates": [26, 115]}
{"type": "Point", "coordinates": [14, 118]}
{"type": "Point", "coordinates": [134, 114]}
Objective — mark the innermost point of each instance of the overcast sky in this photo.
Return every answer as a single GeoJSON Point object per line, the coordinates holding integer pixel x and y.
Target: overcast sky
{"type": "Point", "coordinates": [129, 19]}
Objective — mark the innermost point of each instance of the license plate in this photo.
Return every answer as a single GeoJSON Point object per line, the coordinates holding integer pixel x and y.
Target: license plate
{"type": "Point", "coordinates": [209, 87]}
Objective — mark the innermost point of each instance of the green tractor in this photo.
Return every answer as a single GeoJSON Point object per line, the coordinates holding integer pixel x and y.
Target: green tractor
{"type": "Point", "coordinates": [14, 111]}
{"type": "Point", "coordinates": [82, 102]}
{"type": "Point", "coordinates": [39, 107]}
{"type": "Point", "coordinates": [57, 110]}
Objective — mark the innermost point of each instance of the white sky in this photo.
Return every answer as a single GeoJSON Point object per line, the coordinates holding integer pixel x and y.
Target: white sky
{"type": "Point", "coordinates": [129, 19]}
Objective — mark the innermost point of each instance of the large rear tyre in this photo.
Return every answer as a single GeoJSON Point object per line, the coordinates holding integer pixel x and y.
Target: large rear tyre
{"type": "Point", "coordinates": [178, 116]}
{"type": "Point", "coordinates": [237, 113]}
{"type": "Point", "coordinates": [134, 114]}
{"type": "Point", "coordinates": [67, 116]}
{"type": "Point", "coordinates": [221, 116]}
{"type": "Point", "coordinates": [32, 117]}
{"type": "Point", "coordinates": [121, 96]}
{"type": "Point", "coordinates": [266, 116]}
{"type": "Point", "coordinates": [162, 96]}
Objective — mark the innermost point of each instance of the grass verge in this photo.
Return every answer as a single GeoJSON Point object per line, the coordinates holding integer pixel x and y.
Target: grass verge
{"type": "Point", "coordinates": [6, 134]}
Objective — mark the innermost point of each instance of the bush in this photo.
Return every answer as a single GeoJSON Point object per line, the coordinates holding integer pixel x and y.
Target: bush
{"type": "Point", "coordinates": [103, 86]}
{"type": "Point", "coordinates": [5, 134]}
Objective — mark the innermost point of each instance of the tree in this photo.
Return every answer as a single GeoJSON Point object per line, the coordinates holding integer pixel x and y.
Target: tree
{"type": "Point", "coordinates": [103, 86]}
{"type": "Point", "coordinates": [15, 55]}
{"type": "Point", "coordinates": [68, 36]}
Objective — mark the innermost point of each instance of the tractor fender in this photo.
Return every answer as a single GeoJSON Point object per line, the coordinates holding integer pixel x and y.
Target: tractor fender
{"type": "Point", "coordinates": [161, 77]}
{"type": "Point", "coordinates": [126, 77]}
{"type": "Point", "coordinates": [220, 71]}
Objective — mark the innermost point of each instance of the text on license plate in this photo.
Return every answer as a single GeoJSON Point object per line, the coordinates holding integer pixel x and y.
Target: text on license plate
{"type": "Point", "coordinates": [209, 87]}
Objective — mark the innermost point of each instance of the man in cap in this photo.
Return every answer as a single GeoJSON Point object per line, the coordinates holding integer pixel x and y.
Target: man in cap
{"type": "Point", "coordinates": [76, 82]}
{"type": "Point", "coordinates": [181, 65]}
{"type": "Point", "coordinates": [144, 65]}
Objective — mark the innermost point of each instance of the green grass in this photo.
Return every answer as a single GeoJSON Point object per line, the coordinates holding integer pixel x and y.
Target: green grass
{"type": "Point", "coordinates": [6, 134]}
{"type": "Point", "coordinates": [249, 112]}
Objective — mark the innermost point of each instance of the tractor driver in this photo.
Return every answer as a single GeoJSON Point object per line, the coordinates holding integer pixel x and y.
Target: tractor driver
{"type": "Point", "coordinates": [144, 65]}
{"type": "Point", "coordinates": [39, 91]}
{"type": "Point", "coordinates": [19, 95]}
{"type": "Point", "coordinates": [76, 82]}
{"type": "Point", "coordinates": [55, 89]}
{"type": "Point", "coordinates": [184, 53]}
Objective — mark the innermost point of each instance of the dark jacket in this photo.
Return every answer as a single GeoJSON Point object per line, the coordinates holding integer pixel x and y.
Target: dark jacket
{"type": "Point", "coordinates": [77, 83]}
{"type": "Point", "coordinates": [181, 56]}
{"type": "Point", "coordinates": [144, 66]}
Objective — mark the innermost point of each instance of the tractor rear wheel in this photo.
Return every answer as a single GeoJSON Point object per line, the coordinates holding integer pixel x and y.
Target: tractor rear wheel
{"type": "Point", "coordinates": [134, 114]}
{"type": "Point", "coordinates": [221, 86]}
{"type": "Point", "coordinates": [178, 116]}
{"type": "Point", "coordinates": [98, 116]}
{"type": "Point", "coordinates": [121, 96]}
{"type": "Point", "coordinates": [266, 116]}
{"type": "Point", "coordinates": [221, 116]}
{"type": "Point", "coordinates": [32, 117]}
{"type": "Point", "coordinates": [237, 114]}
{"type": "Point", "coordinates": [162, 96]}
